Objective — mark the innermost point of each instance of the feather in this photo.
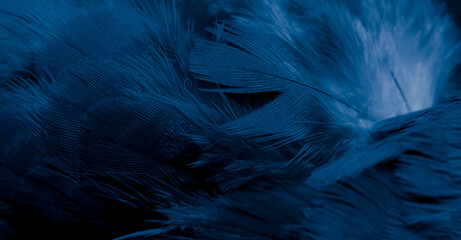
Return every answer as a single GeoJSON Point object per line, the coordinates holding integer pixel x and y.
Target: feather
{"type": "Point", "coordinates": [218, 119]}
{"type": "Point", "coordinates": [411, 192]}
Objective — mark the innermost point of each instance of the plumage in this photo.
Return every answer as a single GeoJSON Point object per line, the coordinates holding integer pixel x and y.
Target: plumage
{"type": "Point", "coordinates": [218, 119]}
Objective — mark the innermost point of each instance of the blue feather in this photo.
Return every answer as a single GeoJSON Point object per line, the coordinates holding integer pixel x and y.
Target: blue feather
{"type": "Point", "coordinates": [218, 119]}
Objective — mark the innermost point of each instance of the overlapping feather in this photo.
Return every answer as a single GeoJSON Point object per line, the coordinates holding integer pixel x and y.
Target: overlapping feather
{"type": "Point", "coordinates": [272, 122]}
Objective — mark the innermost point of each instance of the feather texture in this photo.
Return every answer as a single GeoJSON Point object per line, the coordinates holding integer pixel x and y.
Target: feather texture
{"type": "Point", "coordinates": [218, 119]}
